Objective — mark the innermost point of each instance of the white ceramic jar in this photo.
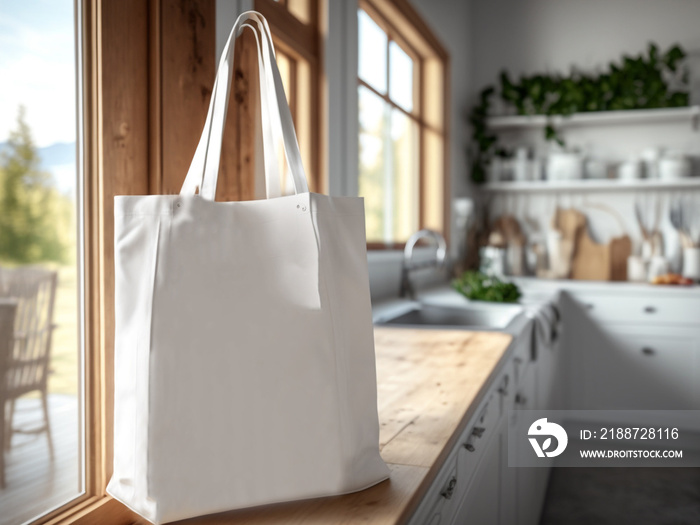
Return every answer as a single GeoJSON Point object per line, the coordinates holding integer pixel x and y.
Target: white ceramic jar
{"type": "Point", "coordinates": [674, 166]}
{"type": "Point", "coordinates": [691, 263]}
{"type": "Point", "coordinates": [564, 166]}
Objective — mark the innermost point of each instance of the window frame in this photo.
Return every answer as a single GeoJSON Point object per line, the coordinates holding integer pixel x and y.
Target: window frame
{"type": "Point", "coordinates": [301, 41]}
{"type": "Point", "coordinates": [397, 18]}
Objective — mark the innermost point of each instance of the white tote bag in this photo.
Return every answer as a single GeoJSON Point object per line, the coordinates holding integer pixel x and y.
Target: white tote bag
{"type": "Point", "coordinates": [244, 352]}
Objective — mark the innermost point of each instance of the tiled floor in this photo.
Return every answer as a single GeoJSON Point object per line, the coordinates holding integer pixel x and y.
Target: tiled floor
{"type": "Point", "coordinates": [621, 496]}
{"type": "Point", "coordinates": [34, 482]}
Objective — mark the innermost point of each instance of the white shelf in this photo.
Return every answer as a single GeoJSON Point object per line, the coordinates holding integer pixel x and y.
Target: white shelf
{"type": "Point", "coordinates": [631, 116]}
{"type": "Point", "coordinates": [584, 185]}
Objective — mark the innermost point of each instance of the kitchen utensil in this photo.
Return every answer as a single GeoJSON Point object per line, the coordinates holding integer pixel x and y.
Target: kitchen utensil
{"type": "Point", "coordinates": [463, 210]}
{"type": "Point", "coordinates": [569, 222]}
{"type": "Point", "coordinates": [685, 218]}
{"type": "Point", "coordinates": [620, 249]}
{"type": "Point", "coordinates": [561, 240]}
{"type": "Point", "coordinates": [536, 168]}
{"type": "Point", "coordinates": [658, 265]}
{"type": "Point", "coordinates": [494, 169]}
{"type": "Point", "coordinates": [540, 259]}
{"type": "Point", "coordinates": [596, 169]}
{"type": "Point", "coordinates": [521, 165]}
{"type": "Point", "coordinates": [560, 252]}
{"type": "Point", "coordinates": [508, 227]}
{"type": "Point", "coordinates": [640, 221]}
{"type": "Point", "coordinates": [630, 170]}
{"type": "Point", "coordinates": [601, 262]}
{"type": "Point", "coordinates": [637, 269]}
{"type": "Point", "coordinates": [650, 157]}
{"type": "Point", "coordinates": [515, 259]}
{"type": "Point", "coordinates": [649, 225]}
{"type": "Point", "coordinates": [674, 169]}
{"type": "Point", "coordinates": [674, 166]}
{"type": "Point", "coordinates": [492, 260]}
{"type": "Point", "coordinates": [564, 166]}
{"type": "Point", "coordinates": [691, 263]}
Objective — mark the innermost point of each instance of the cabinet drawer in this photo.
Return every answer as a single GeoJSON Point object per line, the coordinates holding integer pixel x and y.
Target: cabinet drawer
{"type": "Point", "coordinates": [440, 503]}
{"type": "Point", "coordinates": [476, 438]}
{"type": "Point", "coordinates": [607, 308]}
{"type": "Point", "coordinates": [643, 371]}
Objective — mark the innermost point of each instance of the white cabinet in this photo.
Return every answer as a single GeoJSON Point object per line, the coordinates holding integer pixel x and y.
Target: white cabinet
{"type": "Point", "coordinates": [615, 351]}
{"type": "Point", "coordinates": [642, 371]}
{"type": "Point", "coordinates": [475, 486]}
{"type": "Point", "coordinates": [439, 505]}
{"type": "Point", "coordinates": [531, 483]}
{"type": "Point", "coordinates": [481, 503]}
{"type": "Point", "coordinates": [645, 308]}
{"type": "Point", "coordinates": [632, 351]}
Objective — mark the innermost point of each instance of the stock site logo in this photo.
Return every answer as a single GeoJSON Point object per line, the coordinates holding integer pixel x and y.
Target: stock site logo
{"type": "Point", "coordinates": [541, 428]}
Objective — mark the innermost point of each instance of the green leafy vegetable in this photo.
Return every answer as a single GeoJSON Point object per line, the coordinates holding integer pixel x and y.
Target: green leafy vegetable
{"type": "Point", "coordinates": [478, 286]}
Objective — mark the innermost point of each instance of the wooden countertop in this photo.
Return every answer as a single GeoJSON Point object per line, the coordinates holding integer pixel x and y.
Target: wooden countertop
{"type": "Point", "coordinates": [427, 382]}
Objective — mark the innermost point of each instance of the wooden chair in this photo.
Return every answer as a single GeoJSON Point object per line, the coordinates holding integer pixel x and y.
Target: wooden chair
{"type": "Point", "coordinates": [7, 342]}
{"type": "Point", "coordinates": [27, 365]}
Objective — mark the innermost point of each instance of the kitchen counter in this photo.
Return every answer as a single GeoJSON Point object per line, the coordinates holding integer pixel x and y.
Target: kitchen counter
{"type": "Point", "coordinates": [536, 286]}
{"type": "Point", "coordinates": [429, 385]}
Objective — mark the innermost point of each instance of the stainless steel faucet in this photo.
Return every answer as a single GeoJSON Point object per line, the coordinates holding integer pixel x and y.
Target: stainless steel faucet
{"type": "Point", "coordinates": [408, 265]}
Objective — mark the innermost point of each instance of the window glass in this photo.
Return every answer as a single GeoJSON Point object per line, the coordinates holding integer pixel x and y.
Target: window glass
{"type": "Point", "coordinates": [404, 161]}
{"type": "Point", "coordinates": [400, 77]}
{"type": "Point", "coordinates": [40, 318]}
{"type": "Point", "coordinates": [372, 161]}
{"type": "Point", "coordinates": [372, 52]}
{"type": "Point", "coordinates": [388, 164]}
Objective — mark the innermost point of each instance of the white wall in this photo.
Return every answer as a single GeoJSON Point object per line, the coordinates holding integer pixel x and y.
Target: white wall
{"type": "Point", "coordinates": [451, 21]}
{"type": "Point", "coordinates": [526, 36]}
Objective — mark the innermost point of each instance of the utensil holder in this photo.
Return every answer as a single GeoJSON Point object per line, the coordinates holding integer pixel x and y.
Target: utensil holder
{"type": "Point", "coordinates": [691, 263]}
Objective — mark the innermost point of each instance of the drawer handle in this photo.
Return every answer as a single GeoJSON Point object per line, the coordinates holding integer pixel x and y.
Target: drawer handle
{"type": "Point", "coordinates": [469, 447]}
{"type": "Point", "coordinates": [649, 309]}
{"type": "Point", "coordinates": [450, 489]}
{"type": "Point", "coordinates": [648, 351]}
{"type": "Point", "coordinates": [520, 399]}
{"type": "Point", "coordinates": [478, 431]}
{"type": "Point", "coordinates": [503, 390]}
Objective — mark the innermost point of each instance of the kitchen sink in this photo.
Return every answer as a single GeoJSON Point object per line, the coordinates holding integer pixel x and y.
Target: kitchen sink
{"type": "Point", "coordinates": [483, 317]}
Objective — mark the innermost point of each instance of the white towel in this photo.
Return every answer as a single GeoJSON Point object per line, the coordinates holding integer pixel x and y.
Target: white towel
{"type": "Point", "coordinates": [545, 328]}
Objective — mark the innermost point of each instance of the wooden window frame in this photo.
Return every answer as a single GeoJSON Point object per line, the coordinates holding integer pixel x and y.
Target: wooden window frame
{"type": "Point", "coordinates": [403, 25]}
{"type": "Point", "coordinates": [302, 41]}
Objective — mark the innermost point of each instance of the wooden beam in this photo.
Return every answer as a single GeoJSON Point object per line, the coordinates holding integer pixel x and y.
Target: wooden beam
{"type": "Point", "coordinates": [303, 38]}
{"type": "Point", "coordinates": [123, 170]}
{"type": "Point", "coordinates": [188, 67]}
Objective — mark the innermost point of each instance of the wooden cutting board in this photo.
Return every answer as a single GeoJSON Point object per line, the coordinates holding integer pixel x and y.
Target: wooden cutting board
{"type": "Point", "coordinates": [600, 262]}
{"type": "Point", "coordinates": [569, 222]}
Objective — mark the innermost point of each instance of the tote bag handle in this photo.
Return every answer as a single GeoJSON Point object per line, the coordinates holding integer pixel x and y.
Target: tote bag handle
{"type": "Point", "coordinates": [276, 118]}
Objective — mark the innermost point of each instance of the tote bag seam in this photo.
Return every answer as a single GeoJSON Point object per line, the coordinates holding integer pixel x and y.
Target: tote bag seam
{"type": "Point", "coordinates": [340, 398]}
{"type": "Point", "coordinates": [339, 363]}
{"type": "Point", "coordinates": [148, 339]}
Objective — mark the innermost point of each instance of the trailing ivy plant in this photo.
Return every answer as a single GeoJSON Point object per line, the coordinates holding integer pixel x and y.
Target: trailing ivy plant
{"type": "Point", "coordinates": [642, 82]}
